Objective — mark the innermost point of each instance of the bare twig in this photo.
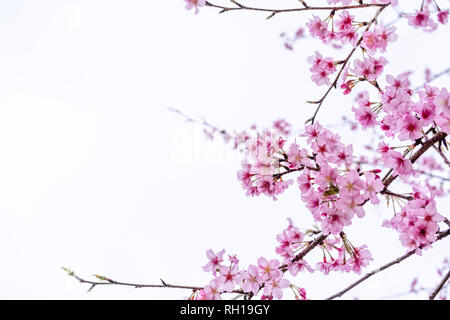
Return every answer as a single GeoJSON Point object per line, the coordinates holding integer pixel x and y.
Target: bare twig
{"type": "Point", "coordinates": [305, 7]}
{"type": "Point", "coordinates": [104, 281]}
{"type": "Point", "coordinates": [440, 286]}
{"type": "Point", "coordinates": [397, 195]}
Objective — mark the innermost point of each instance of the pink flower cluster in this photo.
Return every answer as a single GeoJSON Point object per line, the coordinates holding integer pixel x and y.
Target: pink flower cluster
{"type": "Point", "coordinates": [378, 38]}
{"type": "Point", "coordinates": [282, 127]}
{"type": "Point", "coordinates": [417, 222]}
{"type": "Point", "coordinates": [403, 117]}
{"type": "Point", "coordinates": [423, 18]}
{"type": "Point", "coordinates": [345, 30]}
{"type": "Point", "coordinates": [335, 195]}
{"type": "Point", "coordinates": [290, 241]}
{"type": "Point", "coordinates": [261, 174]}
{"type": "Point", "coordinates": [331, 190]}
{"type": "Point", "coordinates": [321, 69]}
{"type": "Point", "coordinates": [341, 31]}
{"type": "Point", "coordinates": [265, 276]}
{"type": "Point", "coordinates": [395, 160]}
{"type": "Point", "coordinates": [348, 258]}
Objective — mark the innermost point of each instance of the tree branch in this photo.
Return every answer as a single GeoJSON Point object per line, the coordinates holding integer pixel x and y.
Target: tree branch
{"type": "Point", "coordinates": [305, 7]}
{"type": "Point", "coordinates": [440, 286]}
{"type": "Point", "coordinates": [107, 281]}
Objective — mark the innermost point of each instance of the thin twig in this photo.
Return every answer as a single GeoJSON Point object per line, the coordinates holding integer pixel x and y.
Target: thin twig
{"type": "Point", "coordinates": [440, 286]}
{"type": "Point", "coordinates": [104, 281]}
{"type": "Point", "coordinates": [305, 7]}
{"type": "Point", "coordinates": [397, 195]}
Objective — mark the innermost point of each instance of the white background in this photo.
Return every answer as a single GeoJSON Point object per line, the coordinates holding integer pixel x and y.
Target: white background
{"type": "Point", "coordinates": [97, 175]}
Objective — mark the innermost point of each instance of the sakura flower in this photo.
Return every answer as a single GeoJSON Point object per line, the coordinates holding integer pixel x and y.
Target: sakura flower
{"type": "Point", "coordinates": [194, 4]}
{"type": "Point", "coordinates": [399, 83]}
{"type": "Point", "coordinates": [345, 21]}
{"type": "Point", "coordinates": [351, 204]}
{"type": "Point", "coordinates": [385, 151]}
{"type": "Point", "coordinates": [344, 155]}
{"type": "Point", "coordinates": [297, 157]}
{"type": "Point", "coordinates": [228, 277]}
{"type": "Point", "coordinates": [317, 28]}
{"type": "Point", "coordinates": [350, 183]}
{"type": "Point", "coordinates": [212, 291]}
{"type": "Point", "coordinates": [274, 287]}
{"type": "Point", "coordinates": [360, 258]}
{"type": "Point", "coordinates": [268, 269]}
{"type": "Point", "coordinates": [304, 182]}
{"type": "Point", "coordinates": [251, 280]}
{"type": "Point", "coordinates": [410, 128]}
{"type": "Point", "coordinates": [298, 266]}
{"type": "Point", "coordinates": [312, 132]}
{"type": "Point", "coordinates": [373, 185]}
{"type": "Point", "coordinates": [301, 294]}
{"type": "Point", "coordinates": [321, 68]}
{"type": "Point", "coordinates": [421, 19]}
{"type": "Point", "coordinates": [443, 121]}
{"type": "Point", "coordinates": [282, 126]}
{"type": "Point", "coordinates": [334, 220]}
{"type": "Point", "coordinates": [214, 260]}
{"type": "Point", "coordinates": [442, 101]}
{"type": "Point", "coordinates": [325, 266]}
{"type": "Point", "coordinates": [400, 165]}
{"type": "Point", "coordinates": [312, 201]}
{"type": "Point", "coordinates": [326, 176]}
{"type": "Point", "coordinates": [365, 116]}
{"type": "Point", "coordinates": [424, 232]}
{"type": "Point", "coordinates": [443, 16]}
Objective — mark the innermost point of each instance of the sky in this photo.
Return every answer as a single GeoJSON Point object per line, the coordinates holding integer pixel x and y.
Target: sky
{"type": "Point", "coordinates": [98, 176]}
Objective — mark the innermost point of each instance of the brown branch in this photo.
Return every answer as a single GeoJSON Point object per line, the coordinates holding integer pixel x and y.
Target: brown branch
{"type": "Point", "coordinates": [279, 175]}
{"type": "Point", "coordinates": [334, 84]}
{"type": "Point", "coordinates": [319, 240]}
{"type": "Point", "coordinates": [440, 286]}
{"type": "Point", "coordinates": [305, 7]}
{"type": "Point", "coordinates": [397, 195]}
{"type": "Point", "coordinates": [440, 236]}
{"type": "Point", "coordinates": [106, 281]}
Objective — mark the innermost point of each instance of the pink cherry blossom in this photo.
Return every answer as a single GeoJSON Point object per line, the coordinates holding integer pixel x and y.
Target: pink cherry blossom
{"type": "Point", "coordinates": [251, 280]}
{"type": "Point", "coordinates": [194, 4]}
{"type": "Point", "coordinates": [214, 260]}
{"type": "Point", "coordinates": [275, 285]}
